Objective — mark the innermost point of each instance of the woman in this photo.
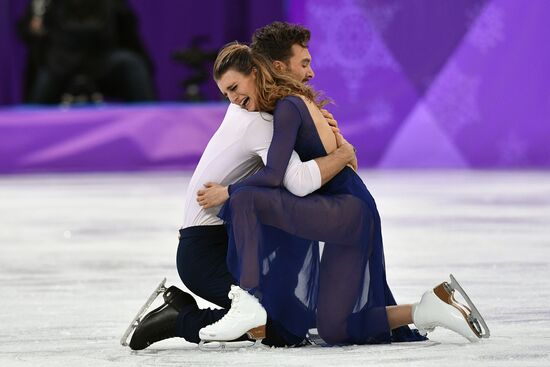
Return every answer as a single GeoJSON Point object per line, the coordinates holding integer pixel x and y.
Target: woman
{"type": "Point", "coordinates": [346, 296]}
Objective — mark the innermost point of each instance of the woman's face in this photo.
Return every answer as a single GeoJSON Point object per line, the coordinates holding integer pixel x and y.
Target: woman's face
{"type": "Point", "coordinates": [240, 88]}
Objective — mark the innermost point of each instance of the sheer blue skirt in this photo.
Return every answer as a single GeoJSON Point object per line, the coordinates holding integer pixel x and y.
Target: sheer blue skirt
{"type": "Point", "coordinates": [274, 253]}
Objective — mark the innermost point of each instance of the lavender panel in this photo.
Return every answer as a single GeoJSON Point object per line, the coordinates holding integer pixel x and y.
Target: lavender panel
{"type": "Point", "coordinates": [115, 138]}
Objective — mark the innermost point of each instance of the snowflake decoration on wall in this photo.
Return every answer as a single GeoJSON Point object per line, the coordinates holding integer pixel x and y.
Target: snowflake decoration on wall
{"type": "Point", "coordinates": [453, 99]}
{"type": "Point", "coordinates": [379, 114]}
{"type": "Point", "coordinates": [512, 150]}
{"type": "Point", "coordinates": [349, 41]}
{"type": "Point", "coordinates": [487, 29]}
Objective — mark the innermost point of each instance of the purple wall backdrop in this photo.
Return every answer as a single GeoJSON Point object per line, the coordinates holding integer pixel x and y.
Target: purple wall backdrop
{"type": "Point", "coordinates": [165, 26]}
{"type": "Point", "coordinates": [417, 83]}
{"type": "Point", "coordinates": [430, 83]}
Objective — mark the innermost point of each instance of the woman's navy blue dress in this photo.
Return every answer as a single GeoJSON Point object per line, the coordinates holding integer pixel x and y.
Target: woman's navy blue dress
{"type": "Point", "coordinates": [274, 251]}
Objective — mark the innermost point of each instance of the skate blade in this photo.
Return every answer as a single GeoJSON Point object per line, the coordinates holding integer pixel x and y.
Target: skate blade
{"type": "Point", "coordinates": [475, 317]}
{"type": "Point", "coordinates": [314, 338]}
{"type": "Point", "coordinates": [210, 346]}
{"type": "Point", "coordinates": [470, 312]}
{"type": "Point", "coordinates": [136, 320]}
{"type": "Point", "coordinates": [257, 333]}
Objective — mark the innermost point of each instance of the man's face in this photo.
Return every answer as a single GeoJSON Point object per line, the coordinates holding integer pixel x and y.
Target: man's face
{"type": "Point", "coordinates": [299, 64]}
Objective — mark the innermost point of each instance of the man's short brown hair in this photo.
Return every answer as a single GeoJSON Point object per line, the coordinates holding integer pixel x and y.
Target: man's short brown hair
{"type": "Point", "coordinates": [275, 40]}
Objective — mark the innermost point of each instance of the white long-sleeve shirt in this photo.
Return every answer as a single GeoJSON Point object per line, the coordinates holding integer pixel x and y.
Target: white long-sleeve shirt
{"type": "Point", "coordinates": [236, 150]}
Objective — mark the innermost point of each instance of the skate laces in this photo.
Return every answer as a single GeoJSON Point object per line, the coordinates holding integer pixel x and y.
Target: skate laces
{"type": "Point", "coordinates": [234, 296]}
{"type": "Point", "coordinates": [234, 292]}
{"type": "Point", "coordinates": [233, 311]}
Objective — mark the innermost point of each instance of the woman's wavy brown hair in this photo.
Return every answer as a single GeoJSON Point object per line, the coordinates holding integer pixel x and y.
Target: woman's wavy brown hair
{"type": "Point", "coordinates": [271, 84]}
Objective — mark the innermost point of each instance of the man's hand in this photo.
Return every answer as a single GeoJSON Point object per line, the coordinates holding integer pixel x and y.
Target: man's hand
{"type": "Point", "coordinates": [353, 164]}
{"type": "Point", "coordinates": [347, 149]}
{"type": "Point", "coordinates": [341, 142]}
{"type": "Point", "coordinates": [337, 160]}
{"type": "Point", "coordinates": [212, 195]}
{"type": "Point", "coordinates": [333, 125]}
{"type": "Point", "coordinates": [330, 119]}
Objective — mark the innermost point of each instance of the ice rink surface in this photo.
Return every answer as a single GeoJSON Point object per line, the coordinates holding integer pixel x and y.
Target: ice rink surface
{"type": "Point", "coordinates": [79, 254]}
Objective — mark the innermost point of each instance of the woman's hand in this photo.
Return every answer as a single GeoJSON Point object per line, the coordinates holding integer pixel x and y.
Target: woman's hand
{"type": "Point", "coordinates": [212, 195]}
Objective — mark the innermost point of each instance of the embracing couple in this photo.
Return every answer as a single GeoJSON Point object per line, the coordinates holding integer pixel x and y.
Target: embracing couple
{"type": "Point", "coordinates": [276, 178]}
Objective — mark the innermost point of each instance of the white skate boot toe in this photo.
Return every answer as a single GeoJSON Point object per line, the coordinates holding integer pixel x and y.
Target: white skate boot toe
{"type": "Point", "coordinates": [439, 308]}
{"type": "Point", "coordinates": [246, 316]}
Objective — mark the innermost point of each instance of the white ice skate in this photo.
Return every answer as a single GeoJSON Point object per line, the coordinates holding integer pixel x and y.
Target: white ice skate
{"type": "Point", "coordinates": [243, 324]}
{"type": "Point", "coordinates": [161, 288]}
{"type": "Point", "coordinates": [438, 307]}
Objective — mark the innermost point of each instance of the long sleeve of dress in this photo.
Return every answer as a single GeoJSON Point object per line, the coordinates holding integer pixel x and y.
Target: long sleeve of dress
{"type": "Point", "coordinates": [301, 178]}
{"type": "Point", "coordinates": [286, 122]}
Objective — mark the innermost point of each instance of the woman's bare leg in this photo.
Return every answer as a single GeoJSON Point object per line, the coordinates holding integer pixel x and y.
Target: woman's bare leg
{"type": "Point", "coordinates": [399, 315]}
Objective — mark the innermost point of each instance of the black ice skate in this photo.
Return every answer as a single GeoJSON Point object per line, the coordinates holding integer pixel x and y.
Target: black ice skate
{"type": "Point", "coordinates": [160, 323]}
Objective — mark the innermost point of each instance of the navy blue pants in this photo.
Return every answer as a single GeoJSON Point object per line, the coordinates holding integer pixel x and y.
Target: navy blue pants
{"type": "Point", "coordinates": [201, 262]}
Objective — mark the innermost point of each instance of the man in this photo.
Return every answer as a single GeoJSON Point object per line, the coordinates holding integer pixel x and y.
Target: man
{"type": "Point", "coordinates": [85, 46]}
{"type": "Point", "coordinates": [286, 45]}
{"type": "Point", "coordinates": [235, 151]}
